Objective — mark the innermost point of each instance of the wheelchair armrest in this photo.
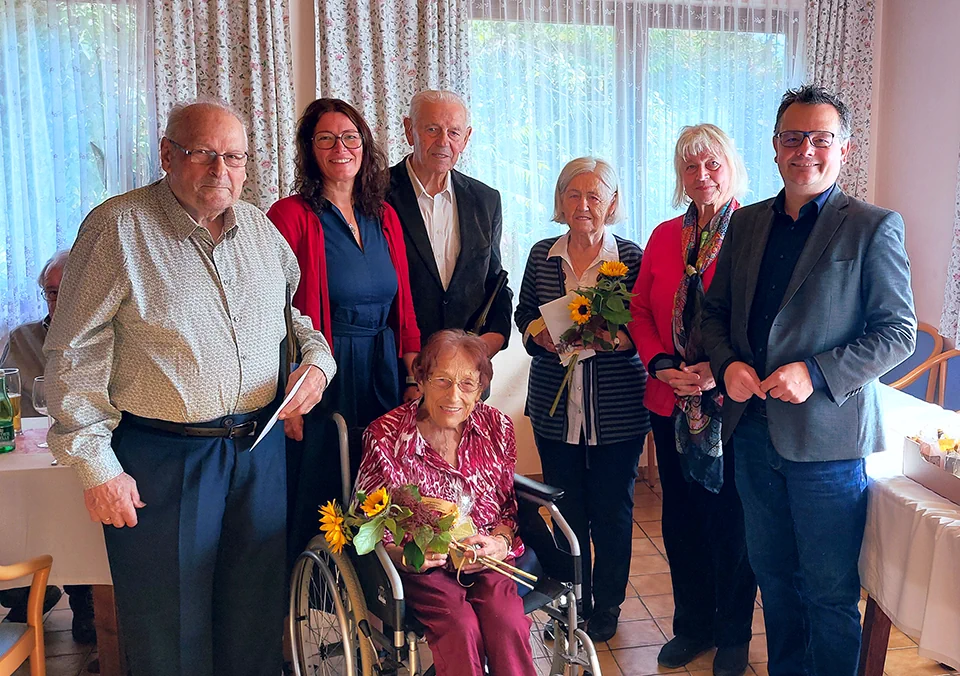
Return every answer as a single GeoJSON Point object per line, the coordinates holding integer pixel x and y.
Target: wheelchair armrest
{"type": "Point", "coordinates": [534, 491]}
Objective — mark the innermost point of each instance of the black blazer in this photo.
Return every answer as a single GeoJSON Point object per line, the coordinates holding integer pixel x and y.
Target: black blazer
{"type": "Point", "coordinates": [478, 209]}
{"type": "Point", "coordinates": [848, 305]}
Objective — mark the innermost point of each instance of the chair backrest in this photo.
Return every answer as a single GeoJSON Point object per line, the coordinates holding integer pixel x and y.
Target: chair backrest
{"type": "Point", "coordinates": [949, 380]}
{"type": "Point", "coordinates": [929, 344]}
{"type": "Point", "coordinates": [21, 641]}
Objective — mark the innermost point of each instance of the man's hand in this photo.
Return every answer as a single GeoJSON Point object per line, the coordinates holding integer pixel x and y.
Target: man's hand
{"type": "Point", "coordinates": [493, 341]}
{"type": "Point", "coordinates": [742, 382]}
{"type": "Point", "coordinates": [790, 383]}
{"type": "Point", "coordinates": [293, 427]}
{"type": "Point", "coordinates": [115, 502]}
{"type": "Point", "coordinates": [493, 546]}
{"type": "Point", "coordinates": [310, 392]}
{"type": "Point", "coordinates": [544, 340]}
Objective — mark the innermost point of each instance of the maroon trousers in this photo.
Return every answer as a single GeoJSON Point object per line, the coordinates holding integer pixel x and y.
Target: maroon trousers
{"type": "Point", "coordinates": [468, 627]}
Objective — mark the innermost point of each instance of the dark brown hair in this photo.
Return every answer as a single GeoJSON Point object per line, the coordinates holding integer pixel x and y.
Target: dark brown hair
{"type": "Point", "coordinates": [372, 180]}
{"type": "Point", "coordinates": [457, 340]}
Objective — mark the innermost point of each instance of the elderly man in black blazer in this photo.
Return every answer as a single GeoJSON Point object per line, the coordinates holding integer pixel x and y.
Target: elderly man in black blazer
{"type": "Point", "coordinates": [451, 224]}
{"type": "Point", "coordinates": [810, 304]}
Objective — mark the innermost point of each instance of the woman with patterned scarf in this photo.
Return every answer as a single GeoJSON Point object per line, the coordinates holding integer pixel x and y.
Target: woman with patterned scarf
{"type": "Point", "coordinates": [703, 533]}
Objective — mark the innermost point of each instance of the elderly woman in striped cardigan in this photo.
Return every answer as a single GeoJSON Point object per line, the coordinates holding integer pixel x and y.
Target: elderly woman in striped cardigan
{"type": "Point", "coordinates": [591, 446]}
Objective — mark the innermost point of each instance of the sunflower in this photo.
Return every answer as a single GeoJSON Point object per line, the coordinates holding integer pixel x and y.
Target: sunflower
{"type": "Point", "coordinates": [613, 269]}
{"type": "Point", "coordinates": [332, 526]}
{"type": "Point", "coordinates": [375, 503]}
{"type": "Point", "coordinates": [580, 309]}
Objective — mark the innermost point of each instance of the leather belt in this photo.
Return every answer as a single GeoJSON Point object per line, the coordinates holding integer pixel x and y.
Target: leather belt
{"type": "Point", "coordinates": [225, 429]}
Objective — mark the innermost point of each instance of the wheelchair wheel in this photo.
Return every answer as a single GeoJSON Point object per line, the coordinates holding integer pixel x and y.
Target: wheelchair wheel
{"type": "Point", "coordinates": [554, 655]}
{"type": "Point", "coordinates": [327, 611]}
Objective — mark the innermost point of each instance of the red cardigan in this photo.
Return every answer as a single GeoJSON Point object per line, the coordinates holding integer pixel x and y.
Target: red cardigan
{"type": "Point", "coordinates": [661, 271]}
{"type": "Point", "coordinates": [301, 227]}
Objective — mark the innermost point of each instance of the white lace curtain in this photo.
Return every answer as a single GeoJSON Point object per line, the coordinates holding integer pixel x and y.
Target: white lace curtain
{"type": "Point", "coordinates": [77, 126]}
{"type": "Point", "coordinates": [950, 318]}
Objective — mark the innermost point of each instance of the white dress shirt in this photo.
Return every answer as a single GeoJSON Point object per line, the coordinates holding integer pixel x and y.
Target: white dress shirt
{"type": "Point", "coordinates": [442, 222]}
{"type": "Point", "coordinates": [608, 252]}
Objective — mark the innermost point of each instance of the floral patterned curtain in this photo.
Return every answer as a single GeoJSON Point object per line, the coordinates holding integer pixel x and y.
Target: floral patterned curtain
{"type": "Point", "coordinates": [840, 35]}
{"type": "Point", "coordinates": [950, 318]}
{"type": "Point", "coordinates": [239, 52]}
{"type": "Point", "coordinates": [376, 55]}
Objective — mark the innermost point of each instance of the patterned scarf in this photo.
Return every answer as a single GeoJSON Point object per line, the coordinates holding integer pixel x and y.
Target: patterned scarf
{"type": "Point", "coordinates": [698, 425]}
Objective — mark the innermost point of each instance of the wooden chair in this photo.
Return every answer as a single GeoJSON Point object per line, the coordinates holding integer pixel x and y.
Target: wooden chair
{"type": "Point", "coordinates": [929, 345]}
{"type": "Point", "coordinates": [947, 385]}
{"type": "Point", "coordinates": [21, 641]}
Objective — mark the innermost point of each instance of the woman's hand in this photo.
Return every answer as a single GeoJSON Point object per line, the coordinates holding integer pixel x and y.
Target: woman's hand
{"type": "Point", "coordinates": [431, 560]}
{"type": "Point", "coordinates": [411, 392]}
{"type": "Point", "coordinates": [684, 382]}
{"type": "Point", "coordinates": [493, 546]}
{"type": "Point", "coordinates": [702, 369]}
{"type": "Point", "coordinates": [544, 340]}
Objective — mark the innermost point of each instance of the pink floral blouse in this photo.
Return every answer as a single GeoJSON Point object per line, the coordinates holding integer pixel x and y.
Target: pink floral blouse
{"type": "Point", "coordinates": [395, 454]}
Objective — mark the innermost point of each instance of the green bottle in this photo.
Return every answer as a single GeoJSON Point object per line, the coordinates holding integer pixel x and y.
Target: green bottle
{"type": "Point", "coordinates": [7, 443]}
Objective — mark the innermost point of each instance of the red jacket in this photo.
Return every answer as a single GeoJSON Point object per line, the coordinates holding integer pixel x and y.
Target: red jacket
{"type": "Point", "coordinates": [661, 271]}
{"type": "Point", "coordinates": [301, 227]}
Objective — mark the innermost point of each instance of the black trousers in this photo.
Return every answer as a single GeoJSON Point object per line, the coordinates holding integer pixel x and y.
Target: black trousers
{"type": "Point", "coordinates": [199, 581]}
{"type": "Point", "coordinates": [598, 483]}
{"type": "Point", "coordinates": [703, 533]}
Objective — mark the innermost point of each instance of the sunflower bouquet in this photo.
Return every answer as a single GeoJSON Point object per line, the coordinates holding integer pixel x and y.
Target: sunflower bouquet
{"type": "Point", "coordinates": [597, 313]}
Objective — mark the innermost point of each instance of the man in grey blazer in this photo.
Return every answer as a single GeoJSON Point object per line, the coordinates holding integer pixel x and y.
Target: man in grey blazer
{"type": "Point", "coordinates": [810, 304]}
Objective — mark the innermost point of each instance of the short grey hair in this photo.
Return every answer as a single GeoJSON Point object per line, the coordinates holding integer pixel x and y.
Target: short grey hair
{"type": "Point", "coordinates": [58, 261]}
{"type": "Point", "coordinates": [588, 165]}
{"type": "Point", "coordinates": [696, 139]}
{"type": "Point", "coordinates": [177, 119]}
{"type": "Point", "coordinates": [812, 95]}
{"type": "Point", "coordinates": [436, 96]}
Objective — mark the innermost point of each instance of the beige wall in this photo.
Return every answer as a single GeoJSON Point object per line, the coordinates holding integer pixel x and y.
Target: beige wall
{"type": "Point", "coordinates": [917, 135]}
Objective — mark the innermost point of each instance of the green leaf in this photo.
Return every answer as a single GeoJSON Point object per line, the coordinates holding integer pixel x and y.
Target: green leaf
{"type": "Point", "coordinates": [615, 303]}
{"type": "Point", "coordinates": [440, 544]}
{"type": "Point", "coordinates": [446, 523]}
{"type": "Point", "coordinates": [368, 536]}
{"type": "Point", "coordinates": [423, 537]}
{"type": "Point", "coordinates": [403, 513]}
{"type": "Point", "coordinates": [414, 491]}
{"type": "Point", "coordinates": [413, 555]}
{"type": "Point", "coordinates": [361, 497]}
{"type": "Point", "coordinates": [614, 317]}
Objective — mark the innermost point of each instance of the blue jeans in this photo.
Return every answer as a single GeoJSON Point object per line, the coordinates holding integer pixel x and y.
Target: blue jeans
{"type": "Point", "coordinates": [804, 523]}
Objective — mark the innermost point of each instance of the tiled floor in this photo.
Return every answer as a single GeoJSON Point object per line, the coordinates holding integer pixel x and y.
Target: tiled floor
{"type": "Point", "coordinates": [644, 627]}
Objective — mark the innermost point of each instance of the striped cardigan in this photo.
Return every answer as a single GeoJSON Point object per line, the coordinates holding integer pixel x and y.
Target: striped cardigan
{"type": "Point", "coordinates": [613, 382]}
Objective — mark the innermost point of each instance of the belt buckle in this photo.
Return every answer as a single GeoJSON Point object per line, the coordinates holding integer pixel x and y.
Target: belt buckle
{"type": "Point", "coordinates": [242, 430]}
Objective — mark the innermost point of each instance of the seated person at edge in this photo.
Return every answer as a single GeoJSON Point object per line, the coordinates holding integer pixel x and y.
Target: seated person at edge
{"type": "Point", "coordinates": [24, 351]}
{"type": "Point", "coordinates": [446, 443]}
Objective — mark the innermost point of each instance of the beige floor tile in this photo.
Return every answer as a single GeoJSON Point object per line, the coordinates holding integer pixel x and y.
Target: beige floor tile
{"type": "Point", "coordinates": [645, 565]}
{"type": "Point", "coordinates": [700, 672]}
{"type": "Point", "coordinates": [758, 649]}
{"type": "Point", "coordinates": [757, 626]}
{"type": "Point", "coordinates": [899, 640]}
{"type": "Point", "coordinates": [634, 634]}
{"type": "Point", "coordinates": [906, 662]}
{"type": "Point", "coordinates": [644, 547]}
{"type": "Point", "coordinates": [58, 620]}
{"type": "Point", "coordinates": [58, 643]}
{"type": "Point", "coordinates": [659, 606]}
{"type": "Point", "coordinates": [652, 584]}
{"type": "Point", "coordinates": [652, 528]}
{"type": "Point", "coordinates": [650, 513]}
{"type": "Point", "coordinates": [637, 531]}
{"type": "Point", "coordinates": [647, 499]}
{"type": "Point", "coordinates": [658, 543]}
{"type": "Point", "coordinates": [608, 664]}
{"type": "Point", "coordinates": [666, 626]}
{"type": "Point", "coordinates": [633, 609]}
{"type": "Point", "coordinates": [62, 665]}
{"type": "Point", "coordinates": [642, 661]}
{"type": "Point", "coordinates": [760, 669]}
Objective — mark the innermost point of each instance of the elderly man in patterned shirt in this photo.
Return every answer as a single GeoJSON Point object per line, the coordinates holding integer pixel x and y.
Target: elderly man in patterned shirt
{"type": "Point", "coordinates": [162, 363]}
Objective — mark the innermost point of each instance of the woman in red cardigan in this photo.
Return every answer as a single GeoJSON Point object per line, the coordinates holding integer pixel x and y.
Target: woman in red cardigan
{"type": "Point", "coordinates": [354, 285]}
{"type": "Point", "coordinates": [703, 533]}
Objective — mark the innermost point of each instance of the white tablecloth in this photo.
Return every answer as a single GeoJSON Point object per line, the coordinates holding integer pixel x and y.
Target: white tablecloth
{"type": "Point", "coordinates": [910, 561]}
{"type": "Point", "coordinates": [42, 512]}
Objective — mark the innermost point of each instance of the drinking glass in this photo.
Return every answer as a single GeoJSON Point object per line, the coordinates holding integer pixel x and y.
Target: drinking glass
{"type": "Point", "coordinates": [12, 377]}
{"type": "Point", "coordinates": [40, 403]}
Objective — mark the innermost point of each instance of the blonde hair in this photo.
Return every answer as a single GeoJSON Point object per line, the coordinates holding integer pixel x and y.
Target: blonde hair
{"type": "Point", "coordinates": [584, 165]}
{"type": "Point", "coordinates": [696, 139]}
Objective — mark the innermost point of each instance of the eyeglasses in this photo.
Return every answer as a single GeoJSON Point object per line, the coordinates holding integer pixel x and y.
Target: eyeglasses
{"type": "Point", "coordinates": [49, 294]}
{"type": "Point", "coordinates": [351, 140]}
{"type": "Point", "coordinates": [466, 386]}
{"type": "Point", "coordinates": [794, 139]}
{"type": "Point", "coordinates": [235, 160]}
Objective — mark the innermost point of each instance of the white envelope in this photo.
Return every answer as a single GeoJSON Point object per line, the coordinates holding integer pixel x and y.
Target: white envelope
{"type": "Point", "coordinates": [556, 315]}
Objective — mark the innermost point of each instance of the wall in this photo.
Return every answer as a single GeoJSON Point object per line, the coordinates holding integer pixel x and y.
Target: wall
{"type": "Point", "coordinates": [918, 135]}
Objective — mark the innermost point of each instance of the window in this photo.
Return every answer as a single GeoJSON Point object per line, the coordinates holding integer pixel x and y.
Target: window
{"type": "Point", "coordinates": [78, 127]}
{"type": "Point", "coordinates": [551, 81]}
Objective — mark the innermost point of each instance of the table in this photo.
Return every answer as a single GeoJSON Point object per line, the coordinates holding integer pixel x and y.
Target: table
{"type": "Point", "coordinates": [42, 512]}
{"type": "Point", "coordinates": [910, 558]}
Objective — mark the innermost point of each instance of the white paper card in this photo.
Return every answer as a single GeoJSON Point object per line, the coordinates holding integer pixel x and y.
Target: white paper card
{"type": "Point", "coordinates": [556, 315]}
{"type": "Point", "coordinates": [273, 418]}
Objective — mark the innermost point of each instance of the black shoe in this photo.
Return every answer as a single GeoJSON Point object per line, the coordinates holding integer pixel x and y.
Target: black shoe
{"type": "Point", "coordinates": [681, 650]}
{"type": "Point", "coordinates": [83, 630]}
{"type": "Point", "coordinates": [602, 626]}
{"type": "Point", "coordinates": [731, 661]}
{"type": "Point", "coordinates": [50, 598]}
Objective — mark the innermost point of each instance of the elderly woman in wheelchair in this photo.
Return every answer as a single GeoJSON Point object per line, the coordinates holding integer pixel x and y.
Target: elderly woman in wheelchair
{"type": "Point", "coordinates": [453, 447]}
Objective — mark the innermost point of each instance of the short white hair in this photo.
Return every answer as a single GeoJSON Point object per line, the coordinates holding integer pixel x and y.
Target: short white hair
{"type": "Point", "coordinates": [179, 114]}
{"type": "Point", "coordinates": [436, 96]}
{"type": "Point", "coordinates": [588, 165]}
{"type": "Point", "coordinates": [58, 261]}
{"type": "Point", "coordinates": [698, 138]}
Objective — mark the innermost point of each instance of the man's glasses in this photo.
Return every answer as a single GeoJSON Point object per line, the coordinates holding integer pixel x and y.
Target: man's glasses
{"type": "Point", "coordinates": [794, 139]}
{"type": "Point", "coordinates": [466, 386]}
{"type": "Point", "coordinates": [351, 140]}
{"type": "Point", "coordinates": [235, 160]}
{"type": "Point", "coordinates": [50, 294]}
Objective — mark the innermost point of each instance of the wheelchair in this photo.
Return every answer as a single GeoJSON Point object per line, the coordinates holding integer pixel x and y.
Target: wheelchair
{"type": "Point", "coordinates": [348, 616]}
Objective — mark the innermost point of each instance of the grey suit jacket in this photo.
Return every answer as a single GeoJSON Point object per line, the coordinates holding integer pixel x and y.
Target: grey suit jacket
{"type": "Point", "coordinates": [848, 305]}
